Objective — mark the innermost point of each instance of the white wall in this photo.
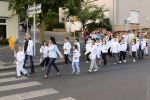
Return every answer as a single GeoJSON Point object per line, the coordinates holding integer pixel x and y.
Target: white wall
{"type": "Point", "coordinates": [12, 21]}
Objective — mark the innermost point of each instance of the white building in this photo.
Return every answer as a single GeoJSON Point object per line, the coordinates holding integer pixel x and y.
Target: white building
{"type": "Point", "coordinates": [9, 22]}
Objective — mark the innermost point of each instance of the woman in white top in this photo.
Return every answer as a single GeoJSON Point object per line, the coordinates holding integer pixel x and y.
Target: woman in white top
{"type": "Point", "coordinates": [66, 48]}
{"type": "Point", "coordinates": [93, 54]}
{"type": "Point", "coordinates": [53, 51]}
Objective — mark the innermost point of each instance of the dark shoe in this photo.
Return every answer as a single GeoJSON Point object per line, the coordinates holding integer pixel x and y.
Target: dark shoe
{"type": "Point", "coordinates": [18, 76]}
{"type": "Point", "coordinates": [26, 75]}
{"type": "Point", "coordinates": [32, 73]}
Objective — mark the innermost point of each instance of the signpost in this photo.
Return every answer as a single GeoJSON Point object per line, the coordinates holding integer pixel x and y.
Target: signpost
{"type": "Point", "coordinates": [32, 11]}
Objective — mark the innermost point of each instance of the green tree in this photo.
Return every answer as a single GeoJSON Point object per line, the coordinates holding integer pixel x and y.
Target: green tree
{"type": "Point", "coordinates": [20, 7]}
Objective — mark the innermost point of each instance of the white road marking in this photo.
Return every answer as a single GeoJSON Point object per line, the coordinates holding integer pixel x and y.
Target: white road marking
{"type": "Point", "coordinates": [68, 98]}
{"type": "Point", "coordinates": [30, 95]}
{"type": "Point", "coordinates": [12, 79]}
{"type": "Point", "coordinates": [19, 86]}
{"type": "Point", "coordinates": [7, 73]}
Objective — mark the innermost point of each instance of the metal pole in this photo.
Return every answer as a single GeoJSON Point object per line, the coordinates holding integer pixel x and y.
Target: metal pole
{"type": "Point", "coordinates": [34, 25]}
{"type": "Point", "coordinates": [27, 26]}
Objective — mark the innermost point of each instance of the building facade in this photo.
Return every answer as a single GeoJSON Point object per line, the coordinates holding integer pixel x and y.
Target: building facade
{"type": "Point", "coordinates": [9, 22]}
{"type": "Point", "coordinates": [127, 14]}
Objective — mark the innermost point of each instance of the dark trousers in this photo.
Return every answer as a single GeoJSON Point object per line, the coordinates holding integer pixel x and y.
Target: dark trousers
{"type": "Point", "coordinates": [50, 64]}
{"type": "Point", "coordinates": [122, 55]}
{"type": "Point", "coordinates": [45, 62]}
{"type": "Point", "coordinates": [104, 58]}
{"type": "Point", "coordinates": [67, 58]}
{"type": "Point", "coordinates": [109, 53]}
{"type": "Point", "coordinates": [31, 61]}
{"type": "Point", "coordinates": [134, 54]}
{"type": "Point", "coordinates": [140, 54]}
{"type": "Point", "coordinates": [87, 57]}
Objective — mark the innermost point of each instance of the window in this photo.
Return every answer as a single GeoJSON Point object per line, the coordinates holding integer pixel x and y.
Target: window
{"type": "Point", "coordinates": [2, 21]}
{"type": "Point", "coordinates": [134, 17]}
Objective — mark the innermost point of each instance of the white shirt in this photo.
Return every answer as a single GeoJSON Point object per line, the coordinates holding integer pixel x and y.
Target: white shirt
{"type": "Point", "coordinates": [20, 56]}
{"type": "Point", "coordinates": [98, 49]}
{"type": "Point", "coordinates": [76, 56]}
{"type": "Point", "coordinates": [143, 44]}
{"type": "Point", "coordinates": [88, 45]}
{"type": "Point", "coordinates": [53, 51]}
{"type": "Point", "coordinates": [134, 47]}
{"type": "Point", "coordinates": [30, 48]}
{"type": "Point", "coordinates": [78, 46]}
{"type": "Point", "coordinates": [93, 52]}
{"type": "Point", "coordinates": [44, 51]}
{"type": "Point", "coordinates": [105, 48]}
{"type": "Point", "coordinates": [115, 47]}
{"type": "Point", "coordinates": [123, 46]}
{"type": "Point", "coordinates": [67, 46]}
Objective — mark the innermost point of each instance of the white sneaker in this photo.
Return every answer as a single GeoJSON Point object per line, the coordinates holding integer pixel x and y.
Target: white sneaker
{"type": "Point", "coordinates": [120, 62]}
{"type": "Point", "coordinates": [115, 63]}
{"type": "Point", "coordinates": [134, 60]}
{"type": "Point", "coordinates": [95, 70]}
{"type": "Point", "coordinates": [90, 71]}
{"type": "Point", "coordinates": [87, 62]}
{"type": "Point", "coordinates": [124, 61]}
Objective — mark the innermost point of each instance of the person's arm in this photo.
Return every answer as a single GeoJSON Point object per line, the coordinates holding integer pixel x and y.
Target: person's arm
{"type": "Point", "coordinates": [59, 53]}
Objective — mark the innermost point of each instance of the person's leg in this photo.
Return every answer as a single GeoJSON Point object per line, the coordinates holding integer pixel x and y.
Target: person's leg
{"type": "Point", "coordinates": [22, 69]}
{"type": "Point", "coordinates": [95, 66]}
{"type": "Point", "coordinates": [32, 64]}
{"type": "Point", "coordinates": [18, 70]}
{"type": "Point", "coordinates": [91, 65]}
{"type": "Point", "coordinates": [73, 67]}
{"type": "Point", "coordinates": [120, 57]}
{"type": "Point", "coordinates": [77, 67]}
{"type": "Point", "coordinates": [88, 59]}
{"type": "Point", "coordinates": [124, 57]}
{"type": "Point", "coordinates": [56, 68]}
{"type": "Point", "coordinates": [66, 59]}
{"type": "Point", "coordinates": [25, 60]}
{"type": "Point", "coordinates": [49, 66]}
{"type": "Point", "coordinates": [142, 54]}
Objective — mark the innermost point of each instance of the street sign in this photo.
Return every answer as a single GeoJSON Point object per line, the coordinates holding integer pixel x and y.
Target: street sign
{"type": "Point", "coordinates": [37, 9]}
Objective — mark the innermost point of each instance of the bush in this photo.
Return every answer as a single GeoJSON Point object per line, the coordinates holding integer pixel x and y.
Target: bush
{"type": "Point", "coordinates": [51, 26]}
{"type": "Point", "coordinates": [4, 42]}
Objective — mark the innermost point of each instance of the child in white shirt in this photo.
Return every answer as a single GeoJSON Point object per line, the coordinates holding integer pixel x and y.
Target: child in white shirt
{"type": "Point", "coordinates": [93, 52]}
{"type": "Point", "coordinates": [123, 49]}
{"type": "Point", "coordinates": [87, 47]}
{"type": "Point", "coordinates": [44, 53]}
{"type": "Point", "coordinates": [134, 50]}
{"type": "Point", "coordinates": [76, 60]}
{"type": "Point", "coordinates": [20, 56]}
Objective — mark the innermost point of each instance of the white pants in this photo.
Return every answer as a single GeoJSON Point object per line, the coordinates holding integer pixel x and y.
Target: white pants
{"type": "Point", "coordinates": [93, 65]}
{"type": "Point", "coordinates": [20, 69]}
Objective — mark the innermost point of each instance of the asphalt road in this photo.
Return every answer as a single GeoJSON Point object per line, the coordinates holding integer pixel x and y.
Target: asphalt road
{"type": "Point", "coordinates": [128, 81]}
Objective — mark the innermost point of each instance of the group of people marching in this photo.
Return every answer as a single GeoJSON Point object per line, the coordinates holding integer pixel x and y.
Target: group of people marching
{"type": "Point", "coordinates": [99, 47]}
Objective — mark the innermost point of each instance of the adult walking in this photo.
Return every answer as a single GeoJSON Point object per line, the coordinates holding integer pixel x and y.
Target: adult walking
{"type": "Point", "coordinates": [53, 51]}
{"type": "Point", "coordinates": [28, 50]}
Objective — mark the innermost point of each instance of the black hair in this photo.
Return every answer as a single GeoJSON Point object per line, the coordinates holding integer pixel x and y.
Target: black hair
{"type": "Point", "coordinates": [77, 39]}
{"type": "Point", "coordinates": [75, 46]}
{"type": "Point", "coordinates": [53, 40]}
{"type": "Point", "coordinates": [94, 40]}
{"type": "Point", "coordinates": [67, 38]}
